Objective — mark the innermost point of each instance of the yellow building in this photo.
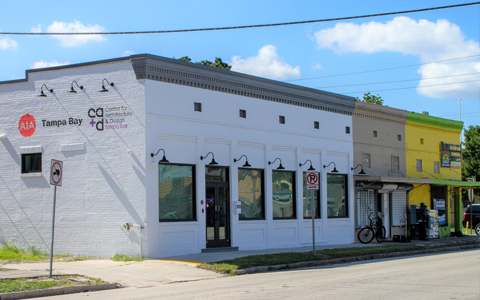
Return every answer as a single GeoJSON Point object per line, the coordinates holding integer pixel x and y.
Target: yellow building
{"type": "Point", "coordinates": [433, 152]}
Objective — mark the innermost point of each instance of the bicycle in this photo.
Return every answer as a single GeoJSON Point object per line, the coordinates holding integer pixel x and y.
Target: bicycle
{"type": "Point", "coordinates": [374, 229]}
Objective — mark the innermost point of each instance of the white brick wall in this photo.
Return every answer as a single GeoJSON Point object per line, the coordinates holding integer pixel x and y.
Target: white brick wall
{"type": "Point", "coordinates": [103, 186]}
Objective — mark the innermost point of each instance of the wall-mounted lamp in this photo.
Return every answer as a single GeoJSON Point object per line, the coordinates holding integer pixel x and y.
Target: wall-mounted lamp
{"type": "Point", "coordinates": [361, 171]}
{"type": "Point", "coordinates": [41, 91]}
{"type": "Point", "coordinates": [3, 136]}
{"type": "Point", "coordinates": [130, 152]}
{"type": "Point", "coordinates": [103, 90]}
{"type": "Point", "coordinates": [280, 167]}
{"type": "Point", "coordinates": [311, 167]}
{"type": "Point", "coordinates": [213, 162]}
{"type": "Point", "coordinates": [163, 160]}
{"type": "Point", "coordinates": [72, 90]}
{"type": "Point", "coordinates": [246, 161]}
{"type": "Point", "coordinates": [334, 167]}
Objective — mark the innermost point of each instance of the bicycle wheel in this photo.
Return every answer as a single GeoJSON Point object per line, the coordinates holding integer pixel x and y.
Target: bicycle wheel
{"type": "Point", "coordinates": [380, 234]}
{"type": "Point", "coordinates": [365, 235]}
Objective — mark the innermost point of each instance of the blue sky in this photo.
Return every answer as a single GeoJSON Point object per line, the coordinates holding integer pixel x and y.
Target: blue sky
{"type": "Point", "coordinates": [298, 54]}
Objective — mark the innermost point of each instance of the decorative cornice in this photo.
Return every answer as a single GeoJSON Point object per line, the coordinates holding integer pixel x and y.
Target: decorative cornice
{"type": "Point", "coordinates": [434, 121]}
{"type": "Point", "coordinates": [151, 67]}
{"type": "Point", "coordinates": [380, 113]}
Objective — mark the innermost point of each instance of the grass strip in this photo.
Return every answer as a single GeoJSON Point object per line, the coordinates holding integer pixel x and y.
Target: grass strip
{"type": "Point", "coordinates": [125, 257]}
{"type": "Point", "coordinates": [230, 266]}
{"type": "Point", "coordinates": [29, 284]}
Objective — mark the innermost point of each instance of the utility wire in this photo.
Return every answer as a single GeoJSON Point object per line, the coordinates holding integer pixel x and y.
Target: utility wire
{"type": "Point", "coordinates": [413, 87]}
{"type": "Point", "coordinates": [244, 26]}
{"type": "Point", "coordinates": [385, 69]}
{"type": "Point", "coordinates": [384, 82]}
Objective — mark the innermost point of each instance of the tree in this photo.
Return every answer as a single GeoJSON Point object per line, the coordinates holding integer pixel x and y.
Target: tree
{"type": "Point", "coordinates": [471, 154]}
{"type": "Point", "coordinates": [371, 99]}
{"type": "Point", "coordinates": [218, 63]}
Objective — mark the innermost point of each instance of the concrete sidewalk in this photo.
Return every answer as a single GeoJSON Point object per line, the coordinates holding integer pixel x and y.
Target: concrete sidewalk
{"type": "Point", "coordinates": [174, 269]}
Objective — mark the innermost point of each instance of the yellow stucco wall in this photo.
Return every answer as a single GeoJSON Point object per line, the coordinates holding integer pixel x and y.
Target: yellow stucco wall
{"type": "Point", "coordinates": [429, 151]}
{"type": "Point", "coordinates": [423, 142]}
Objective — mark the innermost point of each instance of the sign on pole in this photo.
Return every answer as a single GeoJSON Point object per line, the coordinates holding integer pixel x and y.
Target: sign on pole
{"type": "Point", "coordinates": [312, 181]}
{"type": "Point", "coordinates": [56, 172]}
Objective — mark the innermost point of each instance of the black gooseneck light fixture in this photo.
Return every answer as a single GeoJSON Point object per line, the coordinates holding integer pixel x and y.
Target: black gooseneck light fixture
{"type": "Point", "coordinates": [361, 171]}
{"type": "Point", "coordinates": [334, 167]}
{"type": "Point", "coordinates": [41, 91]}
{"type": "Point", "coordinates": [311, 167]}
{"type": "Point", "coordinates": [246, 161]}
{"type": "Point", "coordinates": [280, 167]}
{"type": "Point", "coordinates": [213, 162]}
{"type": "Point", "coordinates": [103, 90]}
{"type": "Point", "coordinates": [72, 90]}
{"type": "Point", "coordinates": [162, 161]}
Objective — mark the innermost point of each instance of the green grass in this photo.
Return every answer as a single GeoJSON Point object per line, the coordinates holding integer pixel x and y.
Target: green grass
{"type": "Point", "coordinates": [26, 284]}
{"type": "Point", "coordinates": [12, 252]}
{"type": "Point", "coordinates": [125, 257]}
{"type": "Point", "coordinates": [232, 265]}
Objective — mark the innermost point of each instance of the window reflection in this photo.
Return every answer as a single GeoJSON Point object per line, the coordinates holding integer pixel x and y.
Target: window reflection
{"type": "Point", "coordinates": [283, 194]}
{"type": "Point", "coordinates": [307, 200]}
{"type": "Point", "coordinates": [176, 192]}
{"type": "Point", "coordinates": [250, 193]}
{"type": "Point", "coordinates": [337, 196]}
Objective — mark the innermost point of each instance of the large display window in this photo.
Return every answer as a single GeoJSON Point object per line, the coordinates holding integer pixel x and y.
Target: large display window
{"type": "Point", "coordinates": [176, 192]}
{"type": "Point", "coordinates": [337, 199]}
{"type": "Point", "coordinates": [307, 200]}
{"type": "Point", "coordinates": [250, 194]}
{"type": "Point", "coordinates": [283, 194]}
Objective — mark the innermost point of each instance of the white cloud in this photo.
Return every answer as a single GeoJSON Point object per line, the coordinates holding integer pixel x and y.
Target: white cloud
{"type": "Point", "coordinates": [46, 64]}
{"type": "Point", "coordinates": [7, 43]}
{"type": "Point", "coordinates": [36, 29]}
{"type": "Point", "coordinates": [77, 40]}
{"type": "Point", "coordinates": [265, 64]}
{"type": "Point", "coordinates": [430, 41]}
{"type": "Point", "coordinates": [128, 53]}
{"type": "Point", "coordinates": [317, 66]}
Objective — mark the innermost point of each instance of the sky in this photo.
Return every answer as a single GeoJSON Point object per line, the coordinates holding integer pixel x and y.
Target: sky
{"type": "Point", "coordinates": [391, 56]}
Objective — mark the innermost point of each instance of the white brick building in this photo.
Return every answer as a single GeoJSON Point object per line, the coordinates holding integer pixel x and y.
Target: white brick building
{"type": "Point", "coordinates": [105, 140]}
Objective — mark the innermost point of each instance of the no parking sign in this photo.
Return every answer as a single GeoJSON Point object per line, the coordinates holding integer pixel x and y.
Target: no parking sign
{"type": "Point", "coordinates": [56, 172]}
{"type": "Point", "coordinates": [312, 181]}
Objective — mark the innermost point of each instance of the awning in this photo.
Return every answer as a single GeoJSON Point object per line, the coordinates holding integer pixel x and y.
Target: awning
{"type": "Point", "coordinates": [456, 183]}
{"type": "Point", "coordinates": [391, 179]}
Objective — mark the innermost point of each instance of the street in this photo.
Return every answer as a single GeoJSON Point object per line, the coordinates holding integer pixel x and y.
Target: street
{"type": "Point", "coordinates": [441, 276]}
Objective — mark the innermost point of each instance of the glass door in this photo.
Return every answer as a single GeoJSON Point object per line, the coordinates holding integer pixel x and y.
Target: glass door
{"type": "Point", "coordinates": [217, 208]}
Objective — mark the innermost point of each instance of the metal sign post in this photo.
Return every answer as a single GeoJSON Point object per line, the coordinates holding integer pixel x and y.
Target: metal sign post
{"type": "Point", "coordinates": [56, 172]}
{"type": "Point", "coordinates": [313, 184]}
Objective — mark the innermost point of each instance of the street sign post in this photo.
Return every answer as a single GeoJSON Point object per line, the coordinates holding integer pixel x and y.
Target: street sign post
{"type": "Point", "coordinates": [56, 174]}
{"type": "Point", "coordinates": [313, 183]}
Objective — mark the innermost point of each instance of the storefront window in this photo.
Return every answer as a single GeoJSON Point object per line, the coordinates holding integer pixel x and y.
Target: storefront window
{"type": "Point", "coordinates": [250, 194]}
{"type": "Point", "coordinates": [337, 199]}
{"type": "Point", "coordinates": [307, 200]}
{"type": "Point", "coordinates": [283, 194]}
{"type": "Point", "coordinates": [176, 192]}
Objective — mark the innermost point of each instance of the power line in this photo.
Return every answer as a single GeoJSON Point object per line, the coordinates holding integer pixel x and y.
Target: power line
{"type": "Point", "coordinates": [412, 87]}
{"type": "Point", "coordinates": [384, 82]}
{"type": "Point", "coordinates": [244, 26]}
{"type": "Point", "coordinates": [385, 69]}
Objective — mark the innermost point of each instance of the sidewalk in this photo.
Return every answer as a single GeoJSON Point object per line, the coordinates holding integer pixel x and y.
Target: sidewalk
{"type": "Point", "coordinates": [174, 269]}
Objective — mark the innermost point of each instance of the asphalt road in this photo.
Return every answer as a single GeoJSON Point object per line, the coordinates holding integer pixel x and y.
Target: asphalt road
{"type": "Point", "coordinates": [438, 276]}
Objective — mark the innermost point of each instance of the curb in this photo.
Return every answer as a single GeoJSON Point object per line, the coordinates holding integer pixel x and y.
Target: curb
{"type": "Point", "coordinates": [57, 291]}
{"type": "Point", "coordinates": [333, 261]}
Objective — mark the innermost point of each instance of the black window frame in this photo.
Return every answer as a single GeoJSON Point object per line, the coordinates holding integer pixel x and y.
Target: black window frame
{"type": "Point", "coordinates": [242, 113]}
{"type": "Point", "coordinates": [316, 125]}
{"type": "Point", "coordinates": [294, 195]}
{"type": "Point", "coordinates": [194, 195]}
{"type": "Point", "coordinates": [23, 167]}
{"type": "Point", "coordinates": [263, 195]}
{"type": "Point", "coordinates": [347, 130]}
{"type": "Point", "coordinates": [319, 216]}
{"type": "Point", "coordinates": [281, 119]}
{"type": "Point", "coordinates": [197, 106]}
{"type": "Point", "coordinates": [346, 197]}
